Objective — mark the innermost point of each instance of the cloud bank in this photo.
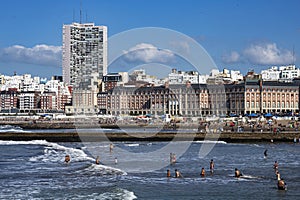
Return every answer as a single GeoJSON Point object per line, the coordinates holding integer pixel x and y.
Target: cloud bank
{"type": "Point", "coordinates": [268, 54]}
{"type": "Point", "coordinates": [41, 54]}
{"type": "Point", "coordinates": [148, 53]}
{"type": "Point", "coordinates": [260, 54]}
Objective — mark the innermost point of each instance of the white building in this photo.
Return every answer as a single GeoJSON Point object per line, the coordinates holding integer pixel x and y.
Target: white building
{"type": "Point", "coordinates": [289, 72]}
{"type": "Point", "coordinates": [84, 54]}
{"type": "Point", "coordinates": [181, 77]}
{"type": "Point", "coordinates": [28, 101]}
{"type": "Point", "coordinates": [272, 74]}
{"type": "Point", "coordinates": [283, 73]}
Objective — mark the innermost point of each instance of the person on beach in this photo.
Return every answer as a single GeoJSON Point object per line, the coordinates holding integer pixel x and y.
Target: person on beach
{"type": "Point", "coordinates": [202, 172]}
{"type": "Point", "coordinates": [177, 174]}
{"type": "Point", "coordinates": [67, 158]}
{"type": "Point", "coordinates": [98, 160]}
{"type": "Point", "coordinates": [211, 166]}
{"type": "Point", "coordinates": [237, 173]}
{"type": "Point", "coordinates": [265, 153]}
{"type": "Point", "coordinates": [168, 173]}
{"type": "Point", "coordinates": [281, 185]}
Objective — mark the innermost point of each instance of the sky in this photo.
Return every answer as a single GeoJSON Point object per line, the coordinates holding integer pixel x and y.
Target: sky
{"type": "Point", "coordinates": [239, 35]}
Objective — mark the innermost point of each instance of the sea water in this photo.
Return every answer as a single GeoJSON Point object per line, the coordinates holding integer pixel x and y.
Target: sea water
{"type": "Point", "coordinates": [36, 170]}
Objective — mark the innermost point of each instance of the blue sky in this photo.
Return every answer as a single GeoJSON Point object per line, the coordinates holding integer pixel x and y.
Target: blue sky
{"type": "Point", "coordinates": [243, 35]}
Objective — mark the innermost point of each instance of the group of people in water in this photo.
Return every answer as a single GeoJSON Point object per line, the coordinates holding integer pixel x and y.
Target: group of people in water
{"type": "Point", "coordinates": [179, 175]}
{"type": "Point", "coordinates": [281, 185]}
{"type": "Point", "coordinates": [280, 182]}
{"type": "Point", "coordinates": [97, 160]}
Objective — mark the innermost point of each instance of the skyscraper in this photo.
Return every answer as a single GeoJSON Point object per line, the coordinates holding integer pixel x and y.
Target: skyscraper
{"type": "Point", "coordinates": [84, 59]}
{"type": "Point", "coordinates": [84, 54]}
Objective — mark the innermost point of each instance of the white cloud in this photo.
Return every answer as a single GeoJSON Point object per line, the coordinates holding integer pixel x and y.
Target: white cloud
{"type": "Point", "coordinates": [268, 54]}
{"type": "Point", "coordinates": [148, 53]}
{"type": "Point", "coordinates": [233, 57]}
{"type": "Point", "coordinates": [38, 55]}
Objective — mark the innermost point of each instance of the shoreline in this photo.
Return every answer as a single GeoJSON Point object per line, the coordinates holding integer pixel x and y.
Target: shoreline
{"type": "Point", "coordinates": [245, 137]}
{"type": "Point", "coordinates": [139, 132]}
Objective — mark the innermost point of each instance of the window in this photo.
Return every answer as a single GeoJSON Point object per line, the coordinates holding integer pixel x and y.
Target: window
{"type": "Point", "coordinates": [282, 104]}
{"type": "Point", "coordinates": [248, 104]}
{"type": "Point", "coordinates": [252, 104]}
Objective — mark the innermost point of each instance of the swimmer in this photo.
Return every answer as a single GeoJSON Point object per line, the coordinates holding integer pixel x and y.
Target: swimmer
{"type": "Point", "coordinates": [211, 166]}
{"type": "Point", "coordinates": [177, 174]}
{"type": "Point", "coordinates": [67, 158]}
{"type": "Point", "coordinates": [237, 173]}
{"type": "Point", "coordinates": [168, 173]}
{"type": "Point", "coordinates": [275, 166]}
{"type": "Point", "coordinates": [202, 172]}
{"type": "Point", "coordinates": [172, 158]}
{"type": "Point", "coordinates": [98, 160]}
{"type": "Point", "coordinates": [278, 176]}
{"type": "Point", "coordinates": [116, 160]}
{"type": "Point", "coordinates": [281, 185]}
{"type": "Point", "coordinates": [111, 147]}
{"type": "Point", "coordinates": [265, 153]}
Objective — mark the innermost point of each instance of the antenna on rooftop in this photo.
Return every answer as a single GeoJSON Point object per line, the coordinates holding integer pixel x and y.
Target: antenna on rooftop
{"type": "Point", "coordinates": [80, 11]}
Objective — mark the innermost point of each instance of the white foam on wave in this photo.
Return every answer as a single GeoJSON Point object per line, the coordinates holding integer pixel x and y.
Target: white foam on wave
{"type": "Point", "coordinates": [132, 145]}
{"type": "Point", "coordinates": [55, 153]}
{"type": "Point", "coordinates": [12, 129]}
{"type": "Point", "coordinates": [210, 142]}
{"type": "Point", "coordinates": [118, 194]}
{"type": "Point", "coordinates": [104, 170]}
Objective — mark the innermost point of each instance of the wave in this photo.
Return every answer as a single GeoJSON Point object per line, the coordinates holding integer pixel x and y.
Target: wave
{"type": "Point", "coordinates": [55, 153]}
{"type": "Point", "coordinates": [104, 170]}
{"type": "Point", "coordinates": [132, 145]}
{"type": "Point", "coordinates": [11, 129]}
{"type": "Point", "coordinates": [211, 142]}
{"type": "Point", "coordinates": [118, 193]}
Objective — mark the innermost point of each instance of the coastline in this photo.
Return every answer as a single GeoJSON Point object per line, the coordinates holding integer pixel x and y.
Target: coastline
{"type": "Point", "coordinates": [139, 132]}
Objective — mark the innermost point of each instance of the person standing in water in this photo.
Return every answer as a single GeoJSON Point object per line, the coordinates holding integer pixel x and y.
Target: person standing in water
{"type": "Point", "coordinates": [202, 172]}
{"type": "Point", "coordinates": [237, 173]}
{"type": "Point", "coordinates": [275, 166]}
{"type": "Point", "coordinates": [116, 160]}
{"type": "Point", "coordinates": [265, 153]}
{"type": "Point", "coordinates": [168, 173]}
{"type": "Point", "coordinates": [278, 176]}
{"type": "Point", "coordinates": [172, 158]}
{"type": "Point", "coordinates": [281, 185]}
{"type": "Point", "coordinates": [211, 166]}
{"type": "Point", "coordinates": [177, 174]}
{"type": "Point", "coordinates": [111, 147]}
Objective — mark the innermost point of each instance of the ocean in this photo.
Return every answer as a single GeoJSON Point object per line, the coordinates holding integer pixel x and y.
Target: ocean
{"type": "Point", "coordinates": [36, 170]}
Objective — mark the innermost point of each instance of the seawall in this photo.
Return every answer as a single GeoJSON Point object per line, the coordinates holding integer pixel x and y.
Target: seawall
{"type": "Point", "coordinates": [143, 136]}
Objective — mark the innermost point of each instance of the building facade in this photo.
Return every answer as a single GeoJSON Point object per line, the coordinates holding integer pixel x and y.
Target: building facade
{"type": "Point", "coordinates": [185, 100]}
{"type": "Point", "coordinates": [84, 54]}
{"type": "Point", "coordinates": [9, 100]}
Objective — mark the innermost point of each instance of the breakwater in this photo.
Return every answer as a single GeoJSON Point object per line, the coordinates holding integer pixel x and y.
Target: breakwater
{"type": "Point", "coordinates": [143, 136]}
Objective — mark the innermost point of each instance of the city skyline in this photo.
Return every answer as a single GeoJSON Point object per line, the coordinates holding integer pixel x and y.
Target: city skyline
{"type": "Point", "coordinates": [238, 35]}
